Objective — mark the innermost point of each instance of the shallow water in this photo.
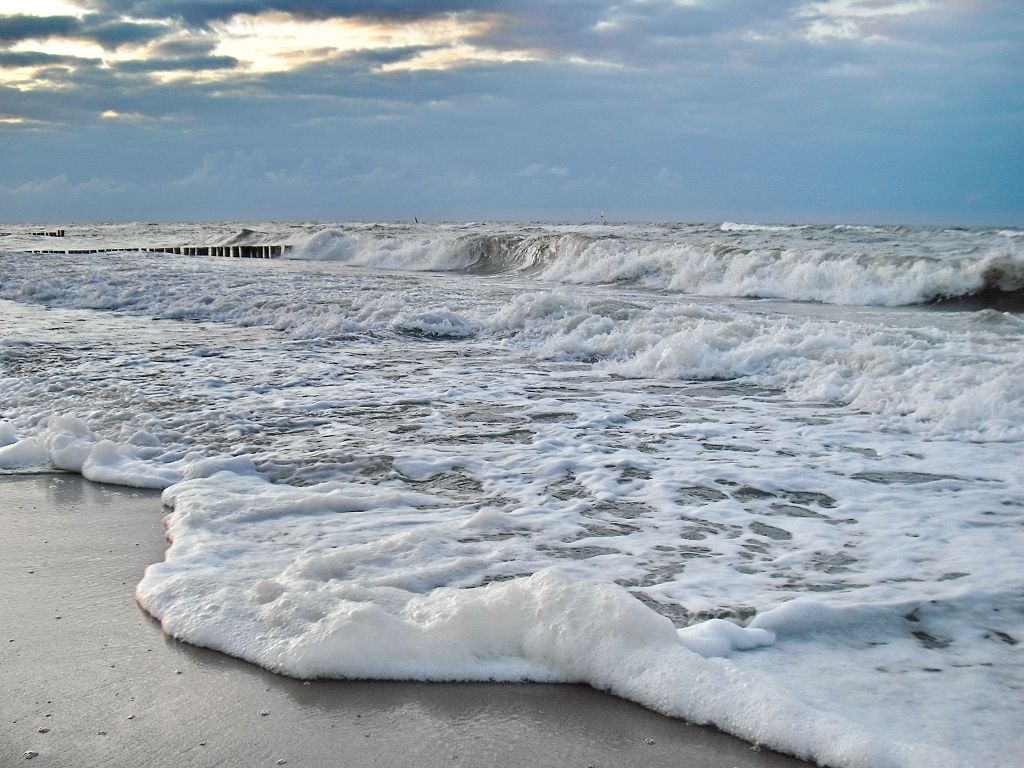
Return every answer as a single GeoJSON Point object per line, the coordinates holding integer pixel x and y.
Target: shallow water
{"type": "Point", "coordinates": [358, 436]}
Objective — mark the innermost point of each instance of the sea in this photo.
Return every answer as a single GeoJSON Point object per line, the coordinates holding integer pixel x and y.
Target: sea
{"type": "Point", "coordinates": [765, 477]}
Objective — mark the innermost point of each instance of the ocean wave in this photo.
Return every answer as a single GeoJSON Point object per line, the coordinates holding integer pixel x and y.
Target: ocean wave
{"type": "Point", "coordinates": [733, 227]}
{"type": "Point", "coordinates": [857, 228]}
{"type": "Point", "coordinates": [367, 466]}
{"type": "Point", "coordinates": [899, 374]}
{"type": "Point", "coordinates": [786, 263]}
{"type": "Point", "coordinates": [1002, 288]}
{"type": "Point", "coordinates": [841, 264]}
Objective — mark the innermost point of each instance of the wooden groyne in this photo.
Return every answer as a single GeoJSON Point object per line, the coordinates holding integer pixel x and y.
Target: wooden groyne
{"type": "Point", "coordinates": [226, 251]}
{"type": "Point", "coordinates": [55, 233]}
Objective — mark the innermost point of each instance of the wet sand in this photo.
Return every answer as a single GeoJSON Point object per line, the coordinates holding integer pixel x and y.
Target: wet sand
{"type": "Point", "coordinates": [81, 660]}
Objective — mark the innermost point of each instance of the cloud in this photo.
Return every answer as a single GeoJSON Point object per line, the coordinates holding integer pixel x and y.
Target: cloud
{"type": "Point", "coordinates": [537, 168]}
{"type": "Point", "coordinates": [219, 167]}
{"type": "Point", "coordinates": [277, 42]}
{"type": "Point", "coordinates": [22, 59]}
{"type": "Point", "coordinates": [192, 45]}
{"type": "Point", "coordinates": [19, 120]}
{"type": "Point", "coordinates": [451, 57]}
{"type": "Point", "coordinates": [200, 13]}
{"type": "Point", "coordinates": [467, 181]}
{"type": "Point", "coordinates": [41, 187]}
{"type": "Point", "coordinates": [530, 170]}
{"type": "Point", "coordinates": [125, 117]}
{"type": "Point", "coordinates": [665, 176]}
{"type": "Point", "coordinates": [730, 106]}
{"type": "Point", "coordinates": [855, 19]}
{"type": "Point", "coordinates": [111, 35]}
{"type": "Point", "coordinates": [108, 34]}
{"type": "Point", "coordinates": [187, 64]}
{"type": "Point", "coordinates": [20, 26]}
{"type": "Point", "coordinates": [59, 184]}
{"type": "Point", "coordinates": [269, 41]}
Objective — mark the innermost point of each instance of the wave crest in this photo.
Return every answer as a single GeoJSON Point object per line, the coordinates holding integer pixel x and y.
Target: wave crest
{"type": "Point", "coordinates": [854, 266]}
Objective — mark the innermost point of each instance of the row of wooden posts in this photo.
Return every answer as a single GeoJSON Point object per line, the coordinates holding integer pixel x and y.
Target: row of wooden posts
{"type": "Point", "coordinates": [227, 251]}
{"type": "Point", "coordinates": [57, 233]}
{"type": "Point", "coordinates": [230, 251]}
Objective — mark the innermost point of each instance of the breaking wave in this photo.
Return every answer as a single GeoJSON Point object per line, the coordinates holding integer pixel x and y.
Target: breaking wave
{"type": "Point", "coordinates": [847, 265]}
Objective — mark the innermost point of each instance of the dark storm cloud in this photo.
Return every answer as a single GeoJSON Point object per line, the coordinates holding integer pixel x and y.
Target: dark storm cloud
{"type": "Point", "coordinates": [113, 34]}
{"type": "Point", "coordinates": [14, 59]}
{"type": "Point", "coordinates": [631, 30]}
{"type": "Point", "coordinates": [107, 33]}
{"type": "Point", "coordinates": [200, 12]}
{"type": "Point", "coordinates": [18, 26]}
{"type": "Point", "coordinates": [190, 64]}
{"type": "Point", "coordinates": [186, 47]}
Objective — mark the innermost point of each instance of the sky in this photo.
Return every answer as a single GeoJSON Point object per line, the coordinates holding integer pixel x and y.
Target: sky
{"type": "Point", "coordinates": [873, 111]}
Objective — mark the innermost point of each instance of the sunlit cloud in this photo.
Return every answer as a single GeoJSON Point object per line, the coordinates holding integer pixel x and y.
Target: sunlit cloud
{"type": "Point", "coordinates": [19, 120]}
{"type": "Point", "coordinates": [279, 42]}
{"type": "Point", "coordinates": [260, 44]}
{"type": "Point", "coordinates": [855, 19]}
{"type": "Point", "coordinates": [56, 46]}
{"type": "Point", "coordinates": [124, 117]}
{"type": "Point", "coordinates": [457, 56]}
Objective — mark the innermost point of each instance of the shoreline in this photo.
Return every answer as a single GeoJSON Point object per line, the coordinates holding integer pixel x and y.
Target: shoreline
{"type": "Point", "coordinates": [112, 689]}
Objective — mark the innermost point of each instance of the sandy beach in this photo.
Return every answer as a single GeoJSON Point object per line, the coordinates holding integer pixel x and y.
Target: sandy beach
{"type": "Point", "coordinates": [90, 680]}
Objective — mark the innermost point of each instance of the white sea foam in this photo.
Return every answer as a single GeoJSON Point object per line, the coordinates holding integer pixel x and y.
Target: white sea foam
{"type": "Point", "coordinates": [8, 435]}
{"type": "Point", "coordinates": [730, 226]}
{"type": "Point", "coordinates": [314, 609]}
{"type": "Point", "coordinates": [786, 262]}
{"type": "Point", "coordinates": [857, 228]}
{"type": "Point", "coordinates": [68, 444]}
{"type": "Point", "coordinates": [345, 443]}
{"type": "Point", "coordinates": [901, 372]}
{"type": "Point", "coordinates": [844, 264]}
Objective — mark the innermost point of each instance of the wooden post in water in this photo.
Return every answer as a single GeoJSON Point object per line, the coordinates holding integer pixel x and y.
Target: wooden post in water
{"type": "Point", "coordinates": [228, 251]}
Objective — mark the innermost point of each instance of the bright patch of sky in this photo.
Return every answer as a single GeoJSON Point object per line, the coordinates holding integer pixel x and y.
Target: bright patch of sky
{"type": "Point", "coordinates": [855, 19]}
{"type": "Point", "coordinates": [279, 42]}
{"type": "Point", "coordinates": [41, 8]}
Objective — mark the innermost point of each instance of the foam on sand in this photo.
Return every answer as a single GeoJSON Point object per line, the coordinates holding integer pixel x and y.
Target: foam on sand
{"type": "Point", "coordinates": [310, 610]}
{"type": "Point", "coordinates": [68, 444]}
